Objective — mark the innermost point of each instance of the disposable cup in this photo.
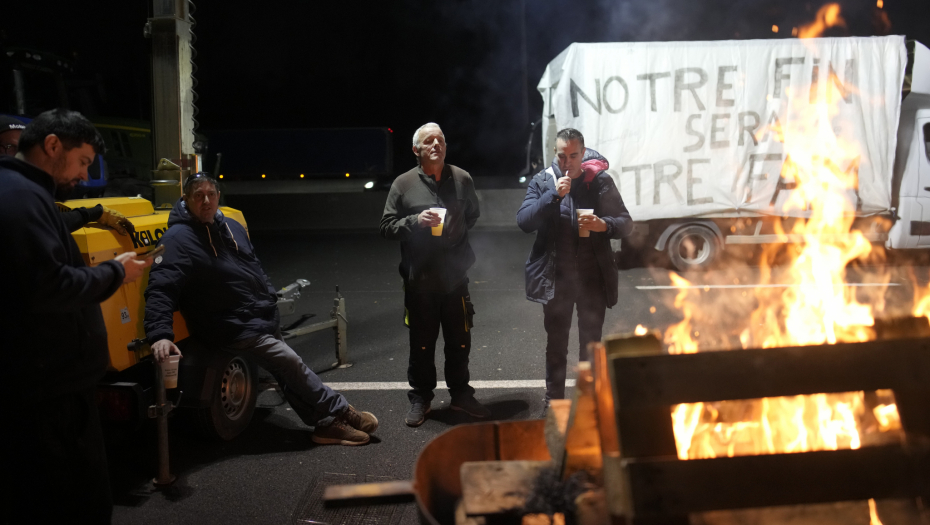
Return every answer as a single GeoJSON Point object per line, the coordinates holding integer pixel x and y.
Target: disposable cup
{"type": "Point", "coordinates": [583, 211]}
{"type": "Point", "coordinates": [169, 371]}
{"type": "Point", "coordinates": [437, 230]}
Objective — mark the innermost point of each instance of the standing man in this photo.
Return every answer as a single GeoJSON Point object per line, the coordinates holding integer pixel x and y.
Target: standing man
{"type": "Point", "coordinates": [210, 273]}
{"type": "Point", "coordinates": [571, 261]}
{"type": "Point", "coordinates": [434, 266]}
{"type": "Point", "coordinates": [76, 218]}
{"type": "Point", "coordinates": [54, 465]}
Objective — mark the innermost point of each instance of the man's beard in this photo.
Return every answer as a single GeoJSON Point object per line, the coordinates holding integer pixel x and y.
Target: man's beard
{"type": "Point", "coordinates": [63, 192]}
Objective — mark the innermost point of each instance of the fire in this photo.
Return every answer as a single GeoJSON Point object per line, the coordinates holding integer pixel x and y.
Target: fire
{"type": "Point", "coordinates": [827, 16]}
{"type": "Point", "coordinates": [816, 308]}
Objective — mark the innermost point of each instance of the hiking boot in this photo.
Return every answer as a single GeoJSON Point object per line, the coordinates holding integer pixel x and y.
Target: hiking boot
{"type": "Point", "coordinates": [339, 433]}
{"type": "Point", "coordinates": [364, 421]}
{"type": "Point", "coordinates": [417, 414]}
{"type": "Point", "coordinates": [470, 406]}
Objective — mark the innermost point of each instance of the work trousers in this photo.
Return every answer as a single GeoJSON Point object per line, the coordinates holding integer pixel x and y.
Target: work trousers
{"type": "Point", "coordinates": [587, 292]}
{"type": "Point", "coordinates": [54, 462]}
{"type": "Point", "coordinates": [315, 403]}
{"type": "Point", "coordinates": [426, 313]}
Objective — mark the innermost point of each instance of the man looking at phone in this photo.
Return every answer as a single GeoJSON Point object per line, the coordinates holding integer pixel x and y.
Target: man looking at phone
{"type": "Point", "coordinates": [575, 208]}
{"type": "Point", "coordinates": [53, 462]}
{"type": "Point", "coordinates": [210, 273]}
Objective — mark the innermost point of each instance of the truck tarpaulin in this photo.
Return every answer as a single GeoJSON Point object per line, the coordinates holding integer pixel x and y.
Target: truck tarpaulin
{"type": "Point", "coordinates": [696, 128]}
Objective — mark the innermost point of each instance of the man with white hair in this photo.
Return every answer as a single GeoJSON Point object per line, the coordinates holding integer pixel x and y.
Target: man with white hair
{"type": "Point", "coordinates": [434, 262]}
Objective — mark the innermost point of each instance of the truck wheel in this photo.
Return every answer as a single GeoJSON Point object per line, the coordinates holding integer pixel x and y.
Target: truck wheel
{"type": "Point", "coordinates": [234, 394]}
{"type": "Point", "coordinates": [692, 248]}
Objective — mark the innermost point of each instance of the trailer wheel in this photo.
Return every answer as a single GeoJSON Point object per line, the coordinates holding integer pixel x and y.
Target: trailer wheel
{"type": "Point", "coordinates": [693, 248]}
{"type": "Point", "coordinates": [234, 394]}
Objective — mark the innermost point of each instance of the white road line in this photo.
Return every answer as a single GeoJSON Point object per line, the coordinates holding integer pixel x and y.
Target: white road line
{"type": "Point", "coordinates": [479, 385]}
{"type": "Point", "coordinates": [701, 286]}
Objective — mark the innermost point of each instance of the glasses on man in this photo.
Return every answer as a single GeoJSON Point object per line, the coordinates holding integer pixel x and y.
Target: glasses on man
{"type": "Point", "coordinates": [9, 149]}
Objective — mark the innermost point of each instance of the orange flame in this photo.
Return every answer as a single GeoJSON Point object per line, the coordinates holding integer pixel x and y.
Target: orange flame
{"type": "Point", "coordinates": [827, 16]}
{"type": "Point", "coordinates": [817, 308]}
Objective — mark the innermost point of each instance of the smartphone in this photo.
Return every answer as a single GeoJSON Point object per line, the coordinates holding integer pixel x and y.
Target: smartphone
{"type": "Point", "coordinates": [160, 249]}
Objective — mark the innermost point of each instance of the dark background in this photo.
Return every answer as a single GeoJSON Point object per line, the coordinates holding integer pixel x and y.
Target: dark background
{"type": "Point", "coordinates": [398, 64]}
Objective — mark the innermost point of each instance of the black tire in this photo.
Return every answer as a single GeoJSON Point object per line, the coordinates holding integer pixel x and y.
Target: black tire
{"type": "Point", "coordinates": [235, 390]}
{"type": "Point", "coordinates": [693, 248]}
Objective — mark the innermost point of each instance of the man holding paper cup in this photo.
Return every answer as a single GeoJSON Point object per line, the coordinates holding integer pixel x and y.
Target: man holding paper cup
{"type": "Point", "coordinates": [210, 273]}
{"type": "Point", "coordinates": [430, 210]}
{"type": "Point", "coordinates": [575, 209]}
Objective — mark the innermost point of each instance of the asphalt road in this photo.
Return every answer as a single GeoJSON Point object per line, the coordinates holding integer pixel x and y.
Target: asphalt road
{"type": "Point", "coordinates": [274, 474]}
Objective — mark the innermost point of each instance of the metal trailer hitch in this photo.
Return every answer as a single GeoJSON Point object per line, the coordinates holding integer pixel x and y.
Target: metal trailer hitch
{"type": "Point", "coordinates": [338, 321]}
{"type": "Point", "coordinates": [160, 411]}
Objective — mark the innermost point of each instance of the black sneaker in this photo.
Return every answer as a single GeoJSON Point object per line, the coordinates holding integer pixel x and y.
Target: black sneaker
{"type": "Point", "coordinates": [339, 433]}
{"type": "Point", "coordinates": [417, 414]}
{"type": "Point", "coordinates": [470, 406]}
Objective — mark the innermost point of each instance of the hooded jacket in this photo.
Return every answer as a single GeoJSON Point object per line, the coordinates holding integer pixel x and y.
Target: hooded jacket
{"type": "Point", "coordinates": [539, 213]}
{"type": "Point", "coordinates": [55, 340]}
{"type": "Point", "coordinates": [211, 274]}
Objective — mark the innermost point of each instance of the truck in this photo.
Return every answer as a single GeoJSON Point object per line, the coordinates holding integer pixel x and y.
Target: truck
{"type": "Point", "coordinates": [703, 137]}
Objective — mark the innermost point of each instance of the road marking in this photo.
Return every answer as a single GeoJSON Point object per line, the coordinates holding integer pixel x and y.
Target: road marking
{"type": "Point", "coordinates": [700, 286]}
{"type": "Point", "coordinates": [403, 385]}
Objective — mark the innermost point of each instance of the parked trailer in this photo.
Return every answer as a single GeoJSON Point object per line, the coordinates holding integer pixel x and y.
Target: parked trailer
{"type": "Point", "coordinates": [692, 131]}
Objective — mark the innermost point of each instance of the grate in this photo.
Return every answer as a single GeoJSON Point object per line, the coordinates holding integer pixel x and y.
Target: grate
{"type": "Point", "coordinates": [311, 510]}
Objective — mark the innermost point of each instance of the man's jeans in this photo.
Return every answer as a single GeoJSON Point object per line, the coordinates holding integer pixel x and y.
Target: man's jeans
{"type": "Point", "coordinates": [427, 312]}
{"type": "Point", "coordinates": [315, 403]}
{"type": "Point", "coordinates": [588, 293]}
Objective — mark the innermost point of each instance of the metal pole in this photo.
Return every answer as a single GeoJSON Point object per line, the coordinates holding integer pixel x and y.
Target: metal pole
{"type": "Point", "coordinates": [160, 413]}
{"type": "Point", "coordinates": [342, 346]}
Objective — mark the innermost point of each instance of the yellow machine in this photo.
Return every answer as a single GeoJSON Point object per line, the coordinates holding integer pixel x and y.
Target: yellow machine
{"type": "Point", "coordinates": [123, 312]}
{"type": "Point", "coordinates": [217, 389]}
{"type": "Point", "coordinates": [220, 388]}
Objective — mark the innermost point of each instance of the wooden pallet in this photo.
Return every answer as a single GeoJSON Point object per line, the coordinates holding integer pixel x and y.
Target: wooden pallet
{"type": "Point", "coordinates": [636, 386]}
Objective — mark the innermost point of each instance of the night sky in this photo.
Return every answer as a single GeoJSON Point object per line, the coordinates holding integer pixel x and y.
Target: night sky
{"type": "Point", "coordinates": [400, 64]}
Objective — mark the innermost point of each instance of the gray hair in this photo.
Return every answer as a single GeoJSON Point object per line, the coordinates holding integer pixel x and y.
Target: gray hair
{"type": "Point", "coordinates": [416, 134]}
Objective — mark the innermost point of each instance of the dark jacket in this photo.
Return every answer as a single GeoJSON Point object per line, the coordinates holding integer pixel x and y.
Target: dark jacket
{"type": "Point", "coordinates": [540, 213]}
{"type": "Point", "coordinates": [211, 274]}
{"type": "Point", "coordinates": [54, 337]}
{"type": "Point", "coordinates": [432, 264]}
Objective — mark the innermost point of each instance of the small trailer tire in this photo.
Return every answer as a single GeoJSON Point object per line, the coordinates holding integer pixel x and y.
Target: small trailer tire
{"type": "Point", "coordinates": [693, 247]}
{"type": "Point", "coordinates": [234, 392]}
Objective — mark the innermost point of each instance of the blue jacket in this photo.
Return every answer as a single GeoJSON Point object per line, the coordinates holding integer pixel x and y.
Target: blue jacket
{"type": "Point", "coordinates": [540, 213]}
{"type": "Point", "coordinates": [54, 334]}
{"type": "Point", "coordinates": [211, 274]}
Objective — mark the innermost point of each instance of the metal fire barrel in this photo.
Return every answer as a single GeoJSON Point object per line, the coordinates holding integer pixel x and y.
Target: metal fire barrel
{"type": "Point", "coordinates": [437, 484]}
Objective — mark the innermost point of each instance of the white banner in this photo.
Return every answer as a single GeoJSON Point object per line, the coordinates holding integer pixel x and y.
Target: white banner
{"type": "Point", "coordinates": [705, 128]}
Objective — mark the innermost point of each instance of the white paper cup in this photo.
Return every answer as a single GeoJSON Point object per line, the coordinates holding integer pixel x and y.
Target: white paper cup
{"type": "Point", "coordinates": [437, 230]}
{"type": "Point", "coordinates": [579, 212]}
{"type": "Point", "coordinates": [169, 370]}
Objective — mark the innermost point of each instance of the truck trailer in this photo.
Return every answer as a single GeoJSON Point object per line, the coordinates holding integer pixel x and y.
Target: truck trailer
{"type": "Point", "coordinates": [703, 137]}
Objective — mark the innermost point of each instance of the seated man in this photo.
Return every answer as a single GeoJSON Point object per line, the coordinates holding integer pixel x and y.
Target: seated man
{"type": "Point", "coordinates": [211, 274]}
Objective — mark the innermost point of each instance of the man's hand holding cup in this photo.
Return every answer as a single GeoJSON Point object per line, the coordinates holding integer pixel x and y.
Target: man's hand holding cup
{"type": "Point", "coordinates": [428, 219]}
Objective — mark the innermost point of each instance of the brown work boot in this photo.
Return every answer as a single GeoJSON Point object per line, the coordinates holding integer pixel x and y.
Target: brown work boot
{"type": "Point", "coordinates": [364, 421]}
{"type": "Point", "coordinates": [339, 433]}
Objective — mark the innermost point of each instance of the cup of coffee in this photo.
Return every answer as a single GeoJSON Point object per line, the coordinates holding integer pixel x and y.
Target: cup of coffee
{"type": "Point", "coordinates": [579, 212]}
{"type": "Point", "coordinates": [169, 370]}
{"type": "Point", "coordinates": [437, 230]}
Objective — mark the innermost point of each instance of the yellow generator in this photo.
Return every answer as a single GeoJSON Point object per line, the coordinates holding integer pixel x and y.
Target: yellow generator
{"type": "Point", "coordinates": [217, 389]}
